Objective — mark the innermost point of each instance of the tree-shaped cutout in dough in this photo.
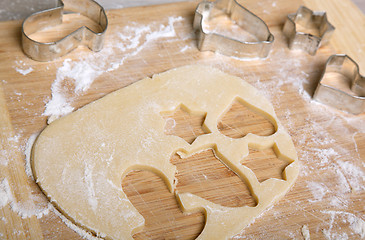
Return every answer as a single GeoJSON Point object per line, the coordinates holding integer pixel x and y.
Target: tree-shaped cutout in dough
{"type": "Point", "coordinates": [184, 123]}
{"type": "Point", "coordinates": [267, 163]}
{"type": "Point", "coordinates": [242, 118]}
{"type": "Point", "coordinates": [163, 218]}
{"type": "Point", "coordinates": [206, 176]}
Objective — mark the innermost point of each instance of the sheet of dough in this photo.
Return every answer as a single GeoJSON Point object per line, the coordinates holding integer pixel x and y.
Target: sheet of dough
{"type": "Point", "coordinates": [79, 161]}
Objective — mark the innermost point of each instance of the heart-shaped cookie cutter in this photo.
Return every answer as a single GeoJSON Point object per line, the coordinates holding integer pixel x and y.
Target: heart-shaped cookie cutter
{"type": "Point", "coordinates": [353, 100]}
{"type": "Point", "coordinates": [51, 17]}
{"type": "Point", "coordinates": [306, 41]}
{"type": "Point", "coordinates": [229, 46]}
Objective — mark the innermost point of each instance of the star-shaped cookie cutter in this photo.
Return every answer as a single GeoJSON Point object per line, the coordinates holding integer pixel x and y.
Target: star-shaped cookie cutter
{"type": "Point", "coordinates": [351, 100]}
{"type": "Point", "coordinates": [229, 46]}
{"type": "Point", "coordinates": [309, 42]}
{"type": "Point", "coordinates": [51, 17]}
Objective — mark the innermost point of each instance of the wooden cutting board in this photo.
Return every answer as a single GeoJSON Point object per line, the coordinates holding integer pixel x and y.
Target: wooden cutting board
{"type": "Point", "coordinates": [328, 198]}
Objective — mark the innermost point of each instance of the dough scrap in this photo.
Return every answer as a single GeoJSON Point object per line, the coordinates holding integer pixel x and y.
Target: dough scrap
{"type": "Point", "coordinates": [79, 161]}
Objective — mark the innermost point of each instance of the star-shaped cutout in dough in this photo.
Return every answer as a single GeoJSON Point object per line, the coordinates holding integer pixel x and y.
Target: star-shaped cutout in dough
{"type": "Point", "coordinates": [184, 123]}
{"type": "Point", "coordinates": [266, 163]}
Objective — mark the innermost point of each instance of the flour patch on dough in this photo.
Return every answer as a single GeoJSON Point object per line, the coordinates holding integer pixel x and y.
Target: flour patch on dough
{"type": "Point", "coordinates": [90, 186]}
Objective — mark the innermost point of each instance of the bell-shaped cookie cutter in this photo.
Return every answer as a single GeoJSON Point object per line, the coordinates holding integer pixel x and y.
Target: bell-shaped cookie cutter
{"type": "Point", "coordinates": [51, 17]}
{"type": "Point", "coordinates": [353, 103]}
{"type": "Point", "coordinates": [306, 41]}
{"type": "Point", "coordinates": [229, 46]}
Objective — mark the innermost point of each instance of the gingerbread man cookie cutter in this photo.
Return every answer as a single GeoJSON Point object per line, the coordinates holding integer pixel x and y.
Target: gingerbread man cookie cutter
{"type": "Point", "coordinates": [350, 99]}
{"type": "Point", "coordinates": [316, 33]}
{"type": "Point", "coordinates": [48, 51]}
{"type": "Point", "coordinates": [228, 46]}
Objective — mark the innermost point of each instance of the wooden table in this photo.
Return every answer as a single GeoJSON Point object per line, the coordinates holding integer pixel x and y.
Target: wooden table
{"type": "Point", "coordinates": [328, 198]}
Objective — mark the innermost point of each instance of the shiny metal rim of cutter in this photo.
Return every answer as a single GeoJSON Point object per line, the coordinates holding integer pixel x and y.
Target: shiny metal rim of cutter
{"type": "Point", "coordinates": [228, 46]}
{"type": "Point", "coordinates": [40, 51]}
{"type": "Point", "coordinates": [306, 41]}
{"type": "Point", "coordinates": [337, 98]}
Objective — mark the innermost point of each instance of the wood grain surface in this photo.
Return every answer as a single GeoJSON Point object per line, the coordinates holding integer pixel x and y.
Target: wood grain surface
{"type": "Point", "coordinates": [328, 197]}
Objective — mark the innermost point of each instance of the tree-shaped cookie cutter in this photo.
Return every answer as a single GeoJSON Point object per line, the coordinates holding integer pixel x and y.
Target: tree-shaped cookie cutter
{"type": "Point", "coordinates": [229, 46]}
{"type": "Point", "coordinates": [306, 41]}
{"type": "Point", "coordinates": [48, 51]}
{"type": "Point", "coordinates": [352, 102]}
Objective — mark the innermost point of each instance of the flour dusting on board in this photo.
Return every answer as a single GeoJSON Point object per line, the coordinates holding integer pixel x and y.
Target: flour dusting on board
{"type": "Point", "coordinates": [23, 68]}
{"type": "Point", "coordinates": [80, 74]}
{"type": "Point", "coordinates": [27, 207]}
{"type": "Point", "coordinates": [5, 193]}
{"type": "Point", "coordinates": [141, 38]}
{"type": "Point", "coordinates": [356, 224]}
{"type": "Point", "coordinates": [31, 207]}
{"type": "Point", "coordinates": [318, 191]}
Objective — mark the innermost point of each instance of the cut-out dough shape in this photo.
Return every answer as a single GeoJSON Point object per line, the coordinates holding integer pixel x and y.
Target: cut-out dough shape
{"type": "Point", "coordinates": [266, 163]}
{"type": "Point", "coordinates": [79, 161]}
{"type": "Point", "coordinates": [246, 121]}
{"type": "Point", "coordinates": [166, 220]}
{"type": "Point", "coordinates": [203, 174]}
{"type": "Point", "coordinates": [182, 120]}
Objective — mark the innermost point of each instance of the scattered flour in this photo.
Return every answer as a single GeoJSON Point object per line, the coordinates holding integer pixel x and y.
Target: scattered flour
{"type": "Point", "coordinates": [137, 38]}
{"type": "Point", "coordinates": [58, 105]}
{"type": "Point", "coordinates": [22, 68]}
{"type": "Point", "coordinates": [318, 191]}
{"type": "Point", "coordinates": [356, 224]}
{"type": "Point", "coordinates": [82, 73]}
{"type": "Point", "coordinates": [5, 193]}
{"type": "Point", "coordinates": [30, 207]}
{"type": "Point", "coordinates": [4, 159]}
{"type": "Point", "coordinates": [12, 145]}
{"type": "Point", "coordinates": [24, 71]}
{"type": "Point", "coordinates": [26, 208]}
{"type": "Point", "coordinates": [325, 155]}
{"type": "Point", "coordinates": [306, 233]}
{"type": "Point", "coordinates": [354, 175]}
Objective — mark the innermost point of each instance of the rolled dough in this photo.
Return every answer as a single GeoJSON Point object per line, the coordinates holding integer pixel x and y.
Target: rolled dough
{"type": "Point", "coordinates": [79, 161]}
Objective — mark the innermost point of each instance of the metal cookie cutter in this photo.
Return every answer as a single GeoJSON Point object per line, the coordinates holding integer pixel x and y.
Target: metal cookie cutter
{"type": "Point", "coordinates": [318, 30]}
{"type": "Point", "coordinates": [48, 51]}
{"type": "Point", "coordinates": [226, 45]}
{"type": "Point", "coordinates": [343, 71]}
